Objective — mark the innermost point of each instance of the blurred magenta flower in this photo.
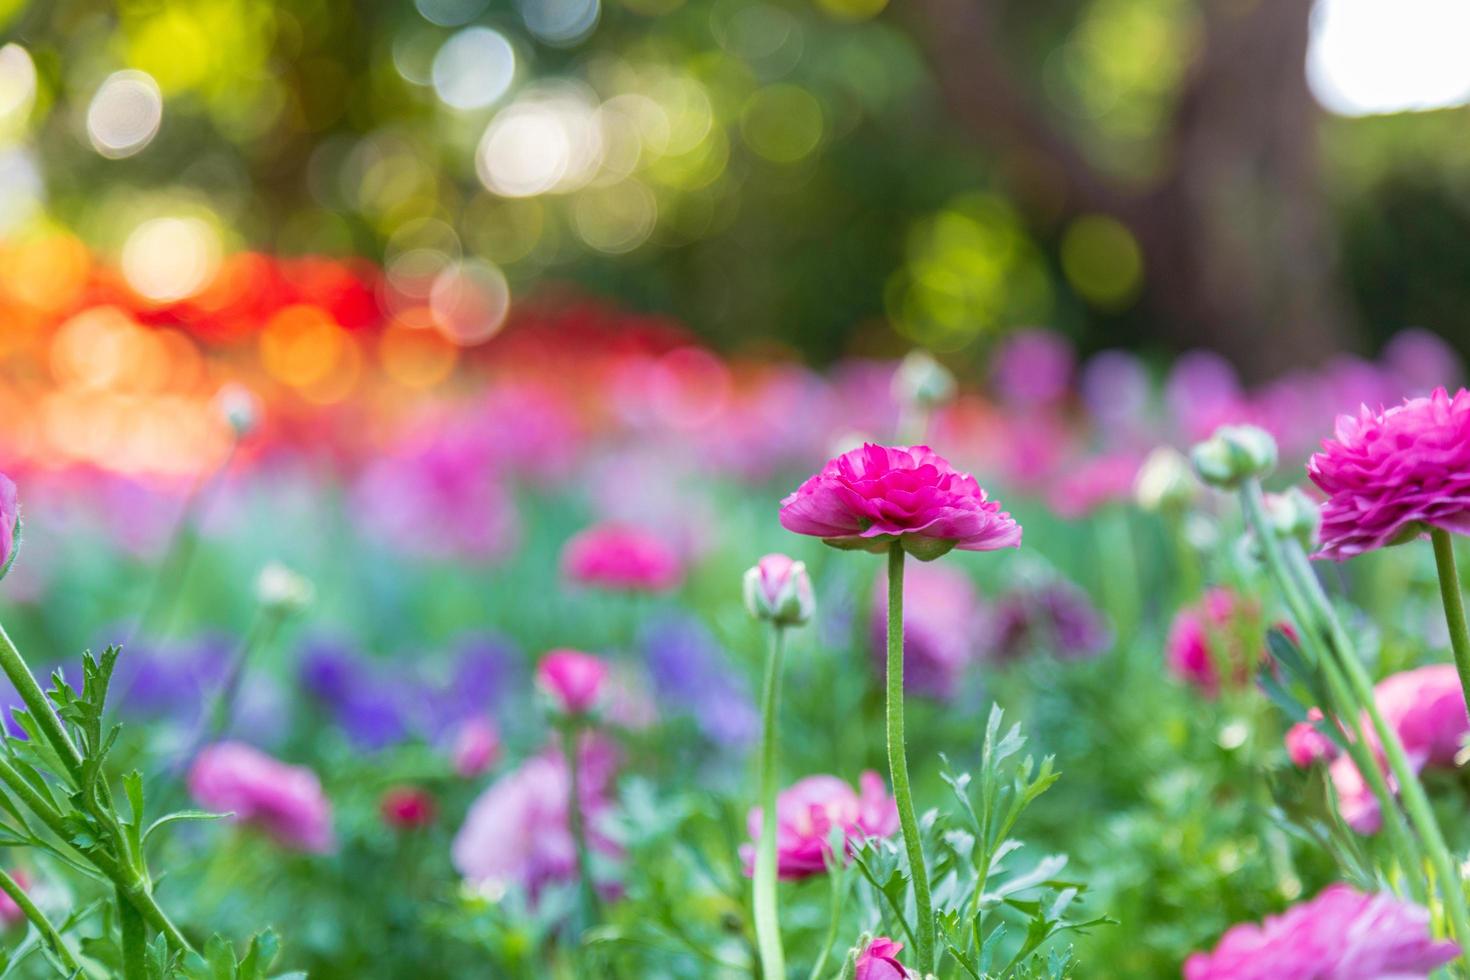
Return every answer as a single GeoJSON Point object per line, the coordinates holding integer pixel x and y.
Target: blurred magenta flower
{"type": "Point", "coordinates": [869, 497]}
{"type": "Point", "coordinates": [778, 589]}
{"type": "Point", "coordinates": [942, 617]}
{"type": "Point", "coordinates": [1202, 393]}
{"type": "Point", "coordinates": [9, 518]}
{"type": "Point", "coordinates": [811, 808]}
{"type": "Point", "coordinates": [408, 808]}
{"type": "Point", "coordinates": [476, 747]}
{"type": "Point", "coordinates": [620, 556]}
{"type": "Point", "coordinates": [1216, 631]}
{"type": "Point", "coordinates": [1305, 743]}
{"type": "Point", "coordinates": [1390, 476]}
{"type": "Point", "coordinates": [10, 913]}
{"type": "Point", "coordinates": [516, 833]}
{"type": "Point", "coordinates": [1342, 934]}
{"type": "Point", "coordinates": [1092, 483]}
{"type": "Point", "coordinates": [1421, 361]}
{"type": "Point", "coordinates": [880, 961]}
{"type": "Point", "coordinates": [284, 801]}
{"type": "Point", "coordinates": [1033, 367]}
{"type": "Point", "coordinates": [575, 680]}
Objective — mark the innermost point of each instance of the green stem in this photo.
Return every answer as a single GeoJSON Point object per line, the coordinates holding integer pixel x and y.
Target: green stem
{"type": "Point", "coordinates": [43, 925]}
{"type": "Point", "coordinates": [134, 939]}
{"type": "Point", "coordinates": [1454, 604]}
{"type": "Point", "coordinates": [1416, 802]}
{"type": "Point", "coordinates": [587, 890]}
{"type": "Point", "coordinates": [39, 706]}
{"type": "Point", "coordinates": [839, 894]}
{"type": "Point", "coordinates": [763, 884]}
{"type": "Point", "coordinates": [898, 765]}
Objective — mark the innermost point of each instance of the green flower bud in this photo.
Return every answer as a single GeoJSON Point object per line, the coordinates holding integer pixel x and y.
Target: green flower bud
{"type": "Point", "coordinates": [1165, 482]}
{"type": "Point", "coordinates": [1295, 515]}
{"type": "Point", "coordinates": [1234, 454]}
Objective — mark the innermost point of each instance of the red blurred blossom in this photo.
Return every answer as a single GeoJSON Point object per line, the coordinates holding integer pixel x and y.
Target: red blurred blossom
{"type": "Point", "coordinates": [408, 808]}
{"type": "Point", "coordinates": [620, 556]}
{"type": "Point", "coordinates": [575, 680]}
{"type": "Point", "coordinates": [869, 497]}
{"type": "Point", "coordinates": [1342, 934]}
{"type": "Point", "coordinates": [879, 961]}
{"type": "Point", "coordinates": [810, 809]}
{"type": "Point", "coordinates": [1391, 476]}
{"type": "Point", "coordinates": [285, 801]}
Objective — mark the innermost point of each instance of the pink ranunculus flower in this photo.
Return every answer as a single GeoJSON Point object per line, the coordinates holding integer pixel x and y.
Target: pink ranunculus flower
{"type": "Point", "coordinates": [10, 912]}
{"type": "Point", "coordinates": [1391, 476]}
{"type": "Point", "coordinates": [620, 556]}
{"type": "Point", "coordinates": [869, 497]}
{"type": "Point", "coordinates": [1305, 743]}
{"type": "Point", "coordinates": [880, 961]}
{"type": "Point", "coordinates": [517, 832]}
{"type": "Point", "coordinates": [1342, 934]}
{"type": "Point", "coordinates": [575, 680]}
{"type": "Point", "coordinates": [941, 619]}
{"type": "Point", "coordinates": [285, 801]}
{"type": "Point", "coordinates": [9, 517]}
{"type": "Point", "coordinates": [808, 810]}
{"type": "Point", "coordinates": [778, 589]}
{"type": "Point", "coordinates": [476, 747]}
{"type": "Point", "coordinates": [1211, 633]}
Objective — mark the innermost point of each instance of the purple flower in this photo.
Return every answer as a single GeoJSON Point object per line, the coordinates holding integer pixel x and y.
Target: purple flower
{"type": "Point", "coordinates": [691, 674]}
{"type": "Point", "coordinates": [1033, 367]}
{"type": "Point", "coordinates": [941, 619]}
{"type": "Point", "coordinates": [370, 709]}
{"type": "Point", "coordinates": [1057, 617]}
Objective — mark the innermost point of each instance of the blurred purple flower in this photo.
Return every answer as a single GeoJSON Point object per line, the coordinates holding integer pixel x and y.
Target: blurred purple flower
{"type": "Point", "coordinates": [1115, 389]}
{"type": "Point", "coordinates": [1421, 361]}
{"type": "Point", "coordinates": [1202, 393]}
{"type": "Point", "coordinates": [1056, 617]}
{"type": "Point", "coordinates": [942, 616]}
{"type": "Point", "coordinates": [1033, 367]}
{"type": "Point", "coordinates": [371, 710]}
{"type": "Point", "coordinates": [691, 675]}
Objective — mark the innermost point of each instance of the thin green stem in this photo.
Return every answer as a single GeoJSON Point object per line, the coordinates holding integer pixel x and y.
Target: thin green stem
{"type": "Point", "coordinates": [763, 882]}
{"type": "Point", "coordinates": [587, 889]}
{"type": "Point", "coordinates": [39, 706]}
{"type": "Point", "coordinates": [43, 925]}
{"type": "Point", "coordinates": [839, 895]}
{"type": "Point", "coordinates": [1454, 604]}
{"type": "Point", "coordinates": [134, 939]}
{"type": "Point", "coordinates": [898, 765]}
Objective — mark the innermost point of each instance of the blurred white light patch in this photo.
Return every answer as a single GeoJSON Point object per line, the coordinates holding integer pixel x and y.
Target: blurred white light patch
{"type": "Point", "coordinates": [125, 114]}
{"type": "Point", "coordinates": [474, 68]}
{"type": "Point", "coordinates": [20, 188]}
{"type": "Point", "coordinates": [560, 23]}
{"type": "Point", "coordinates": [616, 218]}
{"type": "Point", "coordinates": [1376, 56]}
{"type": "Point", "coordinates": [169, 259]}
{"type": "Point", "coordinates": [469, 302]}
{"type": "Point", "coordinates": [450, 13]}
{"type": "Point", "coordinates": [549, 139]}
{"type": "Point", "coordinates": [17, 88]}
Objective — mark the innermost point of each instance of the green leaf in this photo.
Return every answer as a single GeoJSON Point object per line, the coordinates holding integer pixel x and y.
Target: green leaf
{"type": "Point", "coordinates": [179, 816]}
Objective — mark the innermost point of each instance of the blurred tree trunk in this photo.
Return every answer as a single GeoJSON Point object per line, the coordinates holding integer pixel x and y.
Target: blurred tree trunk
{"type": "Point", "coordinates": [1236, 248]}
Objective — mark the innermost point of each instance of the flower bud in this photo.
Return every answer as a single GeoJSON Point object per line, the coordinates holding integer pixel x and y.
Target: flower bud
{"type": "Point", "coordinates": [574, 680]}
{"type": "Point", "coordinates": [778, 589]}
{"type": "Point", "coordinates": [9, 524]}
{"type": "Point", "coordinates": [1234, 454]}
{"type": "Point", "coordinates": [922, 381]}
{"type": "Point", "coordinates": [239, 407]}
{"type": "Point", "coordinates": [281, 590]}
{"type": "Point", "coordinates": [408, 808]}
{"type": "Point", "coordinates": [1165, 482]}
{"type": "Point", "coordinates": [1295, 515]}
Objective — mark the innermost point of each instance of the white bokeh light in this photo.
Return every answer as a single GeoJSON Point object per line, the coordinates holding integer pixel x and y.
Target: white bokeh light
{"type": "Point", "coordinates": [469, 301]}
{"type": "Point", "coordinates": [561, 23]}
{"type": "Point", "coordinates": [125, 114]}
{"type": "Point", "coordinates": [20, 188]}
{"type": "Point", "coordinates": [474, 68]}
{"type": "Point", "coordinates": [1374, 56]}
{"type": "Point", "coordinates": [550, 139]}
{"type": "Point", "coordinates": [169, 259]}
{"type": "Point", "coordinates": [17, 85]}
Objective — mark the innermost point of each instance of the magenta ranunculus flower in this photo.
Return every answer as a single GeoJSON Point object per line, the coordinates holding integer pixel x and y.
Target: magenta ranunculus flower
{"type": "Point", "coordinates": [574, 679]}
{"type": "Point", "coordinates": [9, 517]}
{"type": "Point", "coordinates": [810, 808]}
{"type": "Point", "coordinates": [1342, 934]}
{"type": "Point", "coordinates": [1391, 476]}
{"type": "Point", "coordinates": [942, 618]}
{"type": "Point", "coordinates": [880, 961]}
{"type": "Point", "coordinates": [620, 556]}
{"type": "Point", "coordinates": [285, 801]}
{"type": "Point", "coordinates": [1220, 630]}
{"type": "Point", "coordinates": [778, 589]}
{"type": "Point", "coordinates": [869, 497]}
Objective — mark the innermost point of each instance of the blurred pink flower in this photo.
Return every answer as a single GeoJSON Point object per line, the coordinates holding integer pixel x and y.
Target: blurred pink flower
{"type": "Point", "coordinates": [1342, 934]}
{"type": "Point", "coordinates": [1033, 367]}
{"type": "Point", "coordinates": [1092, 483]}
{"type": "Point", "coordinates": [620, 556]}
{"type": "Point", "coordinates": [871, 496]}
{"type": "Point", "coordinates": [808, 811]}
{"type": "Point", "coordinates": [1421, 361]}
{"type": "Point", "coordinates": [1212, 632]}
{"type": "Point", "coordinates": [1391, 476]}
{"type": "Point", "coordinates": [941, 619]}
{"type": "Point", "coordinates": [574, 679]}
{"type": "Point", "coordinates": [880, 961]}
{"type": "Point", "coordinates": [10, 912]}
{"type": "Point", "coordinates": [476, 747]}
{"type": "Point", "coordinates": [408, 808]}
{"type": "Point", "coordinates": [9, 516]}
{"type": "Point", "coordinates": [517, 832]}
{"type": "Point", "coordinates": [284, 801]}
{"type": "Point", "coordinates": [1305, 743]}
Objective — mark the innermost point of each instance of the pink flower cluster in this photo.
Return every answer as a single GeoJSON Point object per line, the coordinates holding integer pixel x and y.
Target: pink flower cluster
{"type": "Point", "coordinates": [621, 557]}
{"type": "Point", "coordinates": [1342, 934]}
{"type": "Point", "coordinates": [869, 497]}
{"type": "Point", "coordinates": [810, 809]}
{"type": "Point", "coordinates": [1425, 706]}
{"type": "Point", "coordinates": [286, 802]}
{"type": "Point", "coordinates": [1390, 476]}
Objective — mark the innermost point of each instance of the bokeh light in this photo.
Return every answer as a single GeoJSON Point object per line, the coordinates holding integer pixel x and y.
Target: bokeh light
{"type": "Point", "coordinates": [125, 114]}
{"type": "Point", "coordinates": [560, 23]}
{"type": "Point", "coordinates": [469, 301]}
{"type": "Point", "coordinates": [547, 140]}
{"type": "Point", "coordinates": [168, 259]}
{"type": "Point", "coordinates": [474, 68]}
{"type": "Point", "coordinates": [1102, 260]}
